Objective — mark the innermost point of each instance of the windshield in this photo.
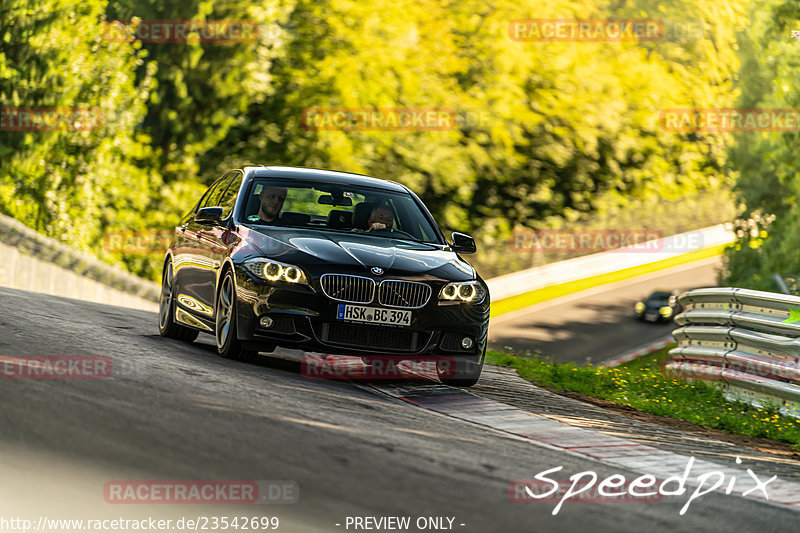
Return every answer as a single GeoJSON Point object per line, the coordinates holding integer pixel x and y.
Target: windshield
{"type": "Point", "coordinates": [337, 207]}
{"type": "Point", "coordinates": [659, 297]}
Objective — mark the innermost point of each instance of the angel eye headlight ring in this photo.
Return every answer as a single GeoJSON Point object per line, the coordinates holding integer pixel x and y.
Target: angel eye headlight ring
{"type": "Point", "coordinates": [292, 274]}
{"type": "Point", "coordinates": [469, 291]}
{"type": "Point", "coordinates": [450, 292]}
{"type": "Point", "coordinates": [273, 271]}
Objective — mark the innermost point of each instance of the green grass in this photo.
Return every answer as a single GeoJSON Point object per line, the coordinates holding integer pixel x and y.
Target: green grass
{"type": "Point", "coordinates": [554, 291]}
{"type": "Point", "coordinates": [642, 385]}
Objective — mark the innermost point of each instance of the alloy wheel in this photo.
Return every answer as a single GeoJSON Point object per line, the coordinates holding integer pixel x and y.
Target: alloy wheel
{"type": "Point", "coordinates": [165, 300]}
{"type": "Point", "coordinates": [224, 312]}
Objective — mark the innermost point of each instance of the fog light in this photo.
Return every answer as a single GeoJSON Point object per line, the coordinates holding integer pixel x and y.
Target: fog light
{"type": "Point", "coordinates": [266, 322]}
{"type": "Point", "coordinates": [466, 343]}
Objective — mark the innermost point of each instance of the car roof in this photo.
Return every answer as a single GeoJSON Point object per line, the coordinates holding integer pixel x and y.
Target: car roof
{"type": "Point", "coordinates": [661, 293]}
{"type": "Point", "coordinates": [328, 176]}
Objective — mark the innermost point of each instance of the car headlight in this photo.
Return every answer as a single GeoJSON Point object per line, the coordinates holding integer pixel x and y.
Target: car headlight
{"type": "Point", "coordinates": [639, 307]}
{"type": "Point", "coordinates": [665, 311]}
{"type": "Point", "coordinates": [270, 270]}
{"type": "Point", "coordinates": [462, 291]}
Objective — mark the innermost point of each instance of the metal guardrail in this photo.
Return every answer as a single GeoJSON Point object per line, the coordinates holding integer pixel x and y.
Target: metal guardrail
{"type": "Point", "coordinates": [749, 340]}
{"type": "Point", "coordinates": [28, 241]}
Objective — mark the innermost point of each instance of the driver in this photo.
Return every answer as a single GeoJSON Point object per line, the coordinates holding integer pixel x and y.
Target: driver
{"type": "Point", "coordinates": [380, 218]}
{"type": "Point", "coordinates": [272, 199]}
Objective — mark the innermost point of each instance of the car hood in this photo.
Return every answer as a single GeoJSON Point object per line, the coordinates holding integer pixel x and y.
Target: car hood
{"type": "Point", "coordinates": [308, 247]}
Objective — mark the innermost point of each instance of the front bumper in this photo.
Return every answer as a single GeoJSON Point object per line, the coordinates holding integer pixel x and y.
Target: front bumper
{"type": "Point", "coordinates": [305, 318]}
{"type": "Point", "coordinates": [654, 315]}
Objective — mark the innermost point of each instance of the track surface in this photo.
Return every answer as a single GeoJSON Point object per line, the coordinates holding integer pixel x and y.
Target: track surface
{"type": "Point", "coordinates": [594, 325]}
{"type": "Point", "coordinates": [175, 411]}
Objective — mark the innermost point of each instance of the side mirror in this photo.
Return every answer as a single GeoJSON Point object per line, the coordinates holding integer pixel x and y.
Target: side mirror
{"type": "Point", "coordinates": [208, 215]}
{"type": "Point", "coordinates": [463, 243]}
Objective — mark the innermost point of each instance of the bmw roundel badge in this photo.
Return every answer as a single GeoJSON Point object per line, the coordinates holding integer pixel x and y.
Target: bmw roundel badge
{"type": "Point", "coordinates": [377, 271]}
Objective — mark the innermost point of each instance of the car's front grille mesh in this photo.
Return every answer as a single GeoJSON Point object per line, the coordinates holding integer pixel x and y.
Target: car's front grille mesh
{"type": "Point", "coordinates": [281, 324]}
{"type": "Point", "coordinates": [346, 288]}
{"type": "Point", "coordinates": [361, 290]}
{"type": "Point", "coordinates": [397, 293]}
{"type": "Point", "coordinates": [371, 337]}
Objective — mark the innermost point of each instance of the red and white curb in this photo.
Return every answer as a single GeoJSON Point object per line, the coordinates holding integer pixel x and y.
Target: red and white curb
{"type": "Point", "coordinates": [581, 442]}
{"type": "Point", "coordinates": [639, 351]}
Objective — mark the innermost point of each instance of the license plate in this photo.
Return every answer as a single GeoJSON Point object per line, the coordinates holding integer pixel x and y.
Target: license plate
{"type": "Point", "coordinates": [651, 317]}
{"type": "Point", "coordinates": [374, 315]}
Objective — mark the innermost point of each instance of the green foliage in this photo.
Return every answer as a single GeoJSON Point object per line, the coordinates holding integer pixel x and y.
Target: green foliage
{"type": "Point", "coordinates": [72, 182]}
{"type": "Point", "coordinates": [556, 130]}
{"type": "Point", "coordinates": [547, 135]}
{"type": "Point", "coordinates": [643, 385]}
{"type": "Point", "coordinates": [202, 86]}
{"type": "Point", "coordinates": [767, 162]}
{"type": "Point", "coordinates": [161, 105]}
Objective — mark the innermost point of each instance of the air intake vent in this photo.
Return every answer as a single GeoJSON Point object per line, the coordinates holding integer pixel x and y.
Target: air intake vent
{"type": "Point", "coordinates": [372, 337]}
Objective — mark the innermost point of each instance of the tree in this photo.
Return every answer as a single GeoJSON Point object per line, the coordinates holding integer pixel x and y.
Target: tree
{"type": "Point", "coordinates": [767, 162]}
{"type": "Point", "coordinates": [86, 173]}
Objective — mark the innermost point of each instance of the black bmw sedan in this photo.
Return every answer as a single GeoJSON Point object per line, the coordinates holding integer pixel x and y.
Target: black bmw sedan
{"type": "Point", "coordinates": [324, 261]}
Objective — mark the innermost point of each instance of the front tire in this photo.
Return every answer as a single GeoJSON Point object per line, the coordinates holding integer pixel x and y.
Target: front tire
{"type": "Point", "coordinates": [228, 344]}
{"type": "Point", "coordinates": [460, 371]}
{"type": "Point", "coordinates": [167, 326]}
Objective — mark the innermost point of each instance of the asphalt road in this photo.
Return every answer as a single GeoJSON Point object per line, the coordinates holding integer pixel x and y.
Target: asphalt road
{"type": "Point", "coordinates": [176, 411]}
{"type": "Point", "coordinates": [599, 323]}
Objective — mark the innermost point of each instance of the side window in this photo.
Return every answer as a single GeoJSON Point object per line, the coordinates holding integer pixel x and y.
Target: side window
{"type": "Point", "coordinates": [228, 198]}
{"type": "Point", "coordinates": [206, 196]}
{"type": "Point", "coordinates": [212, 197]}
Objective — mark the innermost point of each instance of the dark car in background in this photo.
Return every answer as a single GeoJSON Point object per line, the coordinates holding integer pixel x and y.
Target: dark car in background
{"type": "Point", "coordinates": [659, 306]}
{"type": "Point", "coordinates": [324, 261]}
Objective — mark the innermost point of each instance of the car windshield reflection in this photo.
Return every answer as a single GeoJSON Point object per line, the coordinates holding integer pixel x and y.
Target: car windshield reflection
{"type": "Point", "coordinates": [339, 208]}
